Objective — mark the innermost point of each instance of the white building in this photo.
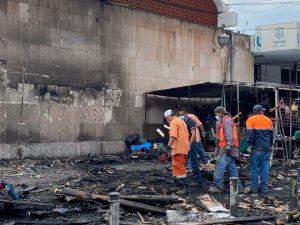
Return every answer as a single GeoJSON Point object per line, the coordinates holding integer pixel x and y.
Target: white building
{"type": "Point", "coordinates": [276, 49]}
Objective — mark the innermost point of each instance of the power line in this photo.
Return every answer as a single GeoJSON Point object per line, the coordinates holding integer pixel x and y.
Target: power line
{"type": "Point", "coordinates": [255, 29]}
{"type": "Point", "coordinates": [259, 1]}
{"type": "Point", "coordinates": [258, 11]}
{"type": "Point", "coordinates": [263, 3]}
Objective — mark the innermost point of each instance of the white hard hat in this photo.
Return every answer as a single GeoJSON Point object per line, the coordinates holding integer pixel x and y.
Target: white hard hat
{"type": "Point", "coordinates": [168, 113]}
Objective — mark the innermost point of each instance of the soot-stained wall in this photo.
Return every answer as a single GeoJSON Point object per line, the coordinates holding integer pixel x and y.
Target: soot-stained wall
{"type": "Point", "coordinates": [73, 80]}
{"type": "Point", "coordinates": [73, 72]}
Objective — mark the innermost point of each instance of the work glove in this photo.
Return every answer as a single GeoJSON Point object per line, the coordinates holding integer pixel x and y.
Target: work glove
{"type": "Point", "coordinates": [249, 149]}
{"type": "Point", "coordinates": [203, 135]}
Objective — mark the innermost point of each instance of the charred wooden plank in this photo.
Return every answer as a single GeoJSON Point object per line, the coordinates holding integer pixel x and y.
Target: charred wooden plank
{"type": "Point", "coordinates": [14, 202]}
{"type": "Point", "coordinates": [153, 198]}
{"type": "Point", "coordinates": [105, 198]}
{"type": "Point", "coordinates": [51, 222]}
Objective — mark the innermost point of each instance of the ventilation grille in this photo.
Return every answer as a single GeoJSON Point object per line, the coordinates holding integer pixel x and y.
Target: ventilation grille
{"type": "Point", "coordinates": [202, 12]}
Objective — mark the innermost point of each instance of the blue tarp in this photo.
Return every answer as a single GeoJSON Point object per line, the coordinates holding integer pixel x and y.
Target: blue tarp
{"type": "Point", "coordinates": [144, 146]}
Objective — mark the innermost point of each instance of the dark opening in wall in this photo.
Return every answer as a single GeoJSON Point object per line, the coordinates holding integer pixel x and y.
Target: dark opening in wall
{"type": "Point", "coordinates": [285, 77]}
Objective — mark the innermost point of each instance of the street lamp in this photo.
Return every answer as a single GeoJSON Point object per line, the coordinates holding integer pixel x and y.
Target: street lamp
{"type": "Point", "coordinates": [223, 39]}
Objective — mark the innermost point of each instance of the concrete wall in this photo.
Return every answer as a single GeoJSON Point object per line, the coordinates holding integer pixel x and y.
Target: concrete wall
{"type": "Point", "coordinates": [243, 59]}
{"type": "Point", "coordinates": [87, 65]}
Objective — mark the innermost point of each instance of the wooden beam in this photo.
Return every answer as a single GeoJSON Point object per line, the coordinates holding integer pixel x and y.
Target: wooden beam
{"type": "Point", "coordinates": [52, 222]}
{"type": "Point", "coordinates": [105, 198]}
{"type": "Point", "coordinates": [18, 202]}
{"type": "Point", "coordinates": [153, 198]}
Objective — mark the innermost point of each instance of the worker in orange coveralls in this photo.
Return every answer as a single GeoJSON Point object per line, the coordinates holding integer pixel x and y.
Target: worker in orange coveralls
{"type": "Point", "coordinates": [179, 143]}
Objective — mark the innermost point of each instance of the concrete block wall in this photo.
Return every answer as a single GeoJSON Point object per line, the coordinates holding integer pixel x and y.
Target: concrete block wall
{"type": "Point", "coordinates": [243, 59]}
{"type": "Point", "coordinates": [87, 66]}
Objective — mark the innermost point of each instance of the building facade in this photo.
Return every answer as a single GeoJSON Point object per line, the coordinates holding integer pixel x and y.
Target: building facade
{"type": "Point", "coordinates": [276, 48]}
{"type": "Point", "coordinates": [74, 72]}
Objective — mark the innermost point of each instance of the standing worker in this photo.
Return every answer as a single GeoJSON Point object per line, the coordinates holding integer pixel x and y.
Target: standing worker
{"type": "Point", "coordinates": [260, 138]}
{"type": "Point", "coordinates": [179, 143]}
{"type": "Point", "coordinates": [268, 110]}
{"type": "Point", "coordinates": [199, 132]}
{"type": "Point", "coordinates": [227, 150]}
{"type": "Point", "coordinates": [194, 145]}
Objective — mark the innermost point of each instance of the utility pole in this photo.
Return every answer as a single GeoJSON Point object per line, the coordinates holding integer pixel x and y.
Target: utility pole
{"type": "Point", "coordinates": [231, 55]}
{"type": "Point", "coordinates": [19, 150]}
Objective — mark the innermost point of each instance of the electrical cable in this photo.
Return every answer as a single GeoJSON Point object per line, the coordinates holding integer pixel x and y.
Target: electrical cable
{"type": "Point", "coordinates": [260, 11]}
{"type": "Point", "coordinates": [263, 3]}
{"type": "Point", "coordinates": [276, 80]}
{"type": "Point", "coordinates": [255, 29]}
{"type": "Point", "coordinates": [252, 1]}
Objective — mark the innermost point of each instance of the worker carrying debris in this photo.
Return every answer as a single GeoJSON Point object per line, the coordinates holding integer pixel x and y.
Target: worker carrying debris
{"type": "Point", "coordinates": [227, 150]}
{"type": "Point", "coordinates": [195, 126]}
{"type": "Point", "coordinates": [179, 143]}
{"type": "Point", "coordinates": [260, 138]}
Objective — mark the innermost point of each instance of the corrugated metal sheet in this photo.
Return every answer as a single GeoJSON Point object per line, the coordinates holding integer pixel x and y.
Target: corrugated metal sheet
{"type": "Point", "coordinates": [202, 12]}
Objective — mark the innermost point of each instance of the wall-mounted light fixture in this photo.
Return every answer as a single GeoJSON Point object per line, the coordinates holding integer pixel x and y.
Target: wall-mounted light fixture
{"type": "Point", "coordinates": [223, 39]}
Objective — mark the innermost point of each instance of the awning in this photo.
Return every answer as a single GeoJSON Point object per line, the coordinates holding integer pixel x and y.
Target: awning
{"type": "Point", "coordinates": [211, 90]}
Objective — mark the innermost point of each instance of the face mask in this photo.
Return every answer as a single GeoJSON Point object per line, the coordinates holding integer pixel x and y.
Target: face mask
{"type": "Point", "coordinates": [168, 120]}
{"type": "Point", "coordinates": [181, 117]}
{"type": "Point", "coordinates": [218, 117]}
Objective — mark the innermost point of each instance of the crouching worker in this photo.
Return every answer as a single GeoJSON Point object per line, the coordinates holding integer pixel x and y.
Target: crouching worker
{"type": "Point", "coordinates": [179, 143]}
{"type": "Point", "coordinates": [260, 138]}
{"type": "Point", "coordinates": [194, 147]}
{"type": "Point", "coordinates": [227, 151]}
{"type": "Point", "coordinates": [197, 144]}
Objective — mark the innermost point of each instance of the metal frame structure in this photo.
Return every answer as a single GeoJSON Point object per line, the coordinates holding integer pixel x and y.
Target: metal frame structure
{"type": "Point", "coordinates": [239, 87]}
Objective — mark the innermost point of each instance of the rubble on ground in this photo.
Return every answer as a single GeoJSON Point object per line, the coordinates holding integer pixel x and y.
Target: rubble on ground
{"type": "Point", "coordinates": [45, 185]}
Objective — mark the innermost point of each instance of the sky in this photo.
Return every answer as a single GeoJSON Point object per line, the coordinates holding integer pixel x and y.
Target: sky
{"type": "Point", "coordinates": [252, 15]}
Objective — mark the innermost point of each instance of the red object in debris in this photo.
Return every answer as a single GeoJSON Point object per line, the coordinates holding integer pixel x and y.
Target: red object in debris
{"type": "Point", "coordinates": [164, 157]}
{"type": "Point", "coordinates": [210, 148]}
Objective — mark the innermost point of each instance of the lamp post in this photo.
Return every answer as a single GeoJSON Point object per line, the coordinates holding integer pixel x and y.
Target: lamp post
{"type": "Point", "coordinates": [223, 39]}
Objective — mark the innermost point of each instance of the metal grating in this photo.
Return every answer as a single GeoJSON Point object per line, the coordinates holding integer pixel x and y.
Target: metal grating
{"type": "Point", "coordinates": [286, 111]}
{"type": "Point", "coordinates": [202, 12]}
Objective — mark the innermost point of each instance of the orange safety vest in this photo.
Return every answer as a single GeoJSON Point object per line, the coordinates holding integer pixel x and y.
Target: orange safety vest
{"type": "Point", "coordinates": [221, 135]}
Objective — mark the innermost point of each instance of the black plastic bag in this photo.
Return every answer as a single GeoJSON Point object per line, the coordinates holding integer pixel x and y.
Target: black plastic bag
{"type": "Point", "coordinates": [133, 139]}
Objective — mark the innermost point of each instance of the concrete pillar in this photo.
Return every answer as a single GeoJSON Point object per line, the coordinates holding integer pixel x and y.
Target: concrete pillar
{"type": "Point", "coordinates": [234, 190]}
{"type": "Point", "coordinates": [114, 208]}
{"type": "Point", "coordinates": [294, 189]}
